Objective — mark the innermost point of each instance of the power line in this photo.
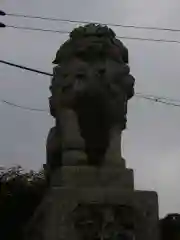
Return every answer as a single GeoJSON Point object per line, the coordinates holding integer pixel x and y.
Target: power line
{"type": "Point", "coordinates": [38, 29]}
{"type": "Point", "coordinates": [158, 100]}
{"type": "Point", "coordinates": [138, 94]}
{"type": "Point", "coordinates": [147, 97]}
{"type": "Point", "coordinates": [87, 22]}
{"type": "Point", "coordinates": [23, 107]}
{"type": "Point", "coordinates": [119, 37]}
{"type": "Point", "coordinates": [149, 39]}
{"type": "Point", "coordinates": [46, 110]}
{"type": "Point", "coordinates": [150, 96]}
{"type": "Point", "coordinates": [26, 68]}
{"type": "Point", "coordinates": [153, 98]}
{"type": "Point", "coordinates": [141, 95]}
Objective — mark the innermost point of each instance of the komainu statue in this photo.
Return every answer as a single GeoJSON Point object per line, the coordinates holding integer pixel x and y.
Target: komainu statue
{"type": "Point", "coordinates": [90, 88]}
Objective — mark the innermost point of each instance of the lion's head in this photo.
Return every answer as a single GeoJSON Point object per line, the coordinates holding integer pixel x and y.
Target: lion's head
{"type": "Point", "coordinates": [92, 65]}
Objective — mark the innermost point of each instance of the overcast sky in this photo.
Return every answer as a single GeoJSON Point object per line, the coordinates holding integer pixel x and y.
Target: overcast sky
{"type": "Point", "coordinates": [151, 144]}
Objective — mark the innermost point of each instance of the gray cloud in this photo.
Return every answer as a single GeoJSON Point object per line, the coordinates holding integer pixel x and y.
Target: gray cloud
{"type": "Point", "coordinates": [151, 142]}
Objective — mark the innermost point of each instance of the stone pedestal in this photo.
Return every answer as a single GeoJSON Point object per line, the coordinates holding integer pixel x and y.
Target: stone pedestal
{"type": "Point", "coordinates": [92, 177]}
{"type": "Point", "coordinates": [91, 203]}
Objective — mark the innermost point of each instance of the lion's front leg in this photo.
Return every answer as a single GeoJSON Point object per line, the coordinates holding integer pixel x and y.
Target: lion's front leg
{"type": "Point", "coordinates": [53, 152]}
{"type": "Point", "coordinates": [72, 142]}
{"type": "Point", "coordinates": [113, 154]}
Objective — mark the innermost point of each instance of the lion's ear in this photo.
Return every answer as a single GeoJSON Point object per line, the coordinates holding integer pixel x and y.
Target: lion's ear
{"type": "Point", "coordinates": [56, 60]}
{"type": "Point", "coordinates": [50, 88]}
{"type": "Point", "coordinates": [57, 70]}
{"type": "Point", "coordinates": [128, 85]}
{"type": "Point", "coordinates": [125, 55]}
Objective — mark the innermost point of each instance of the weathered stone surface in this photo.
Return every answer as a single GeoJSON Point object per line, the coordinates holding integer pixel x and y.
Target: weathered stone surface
{"type": "Point", "coordinates": [147, 215]}
{"type": "Point", "coordinates": [84, 176]}
{"type": "Point", "coordinates": [90, 89]}
{"type": "Point", "coordinates": [104, 188]}
{"type": "Point", "coordinates": [62, 201]}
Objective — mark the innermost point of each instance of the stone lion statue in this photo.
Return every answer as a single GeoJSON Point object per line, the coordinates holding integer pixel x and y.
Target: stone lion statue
{"type": "Point", "coordinates": [90, 88]}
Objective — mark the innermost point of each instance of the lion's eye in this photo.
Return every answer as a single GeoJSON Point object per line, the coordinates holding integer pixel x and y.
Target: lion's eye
{"type": "Point", "coordinates": [65, 75]}
{"type": "Point", "coordinates": [101, 72]}
{"type": "Point", "coordinates": [80, 76]}
{"type": "Point", "coordinates": [66, 88]}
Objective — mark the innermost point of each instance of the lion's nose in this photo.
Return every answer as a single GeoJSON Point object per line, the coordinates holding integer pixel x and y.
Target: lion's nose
{"type": "Point", "coordinates": [79, 86]}
{"type": "Point", "coordinates": [80, 81]}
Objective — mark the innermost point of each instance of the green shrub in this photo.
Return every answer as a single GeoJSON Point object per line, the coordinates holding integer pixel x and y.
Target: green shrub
{"type": "Point", "coordinates": [20, 194]}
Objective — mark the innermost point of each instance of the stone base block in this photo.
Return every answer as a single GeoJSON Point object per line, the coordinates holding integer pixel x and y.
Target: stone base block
{"type": "Point", "coordinates": [70, 213]}
{"type": "Point", "coordinates": [84, 176]}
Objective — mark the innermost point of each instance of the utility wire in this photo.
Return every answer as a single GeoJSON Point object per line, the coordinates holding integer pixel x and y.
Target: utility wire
{"type": "Point", "coordinates": [156, 99]}
{"type": "Point", "coordinates": [87, 22]}
{"type": "Point", "coordinates": [138, 94]}
{"type": "Point", "coordinates": [162, 98]}
{"type": "Point", "coordinates": [23, 107]}
{"type": "Point", "coordinates": [153, 98]}
{"type": "Point", "coordinates": [46, 110]}
{"type": "Point", "coordinates": [26, 68]}
{"type": "Point", "coordinates": [38, 29]}
{"type": "Point", "coordinates": [119, 37]}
